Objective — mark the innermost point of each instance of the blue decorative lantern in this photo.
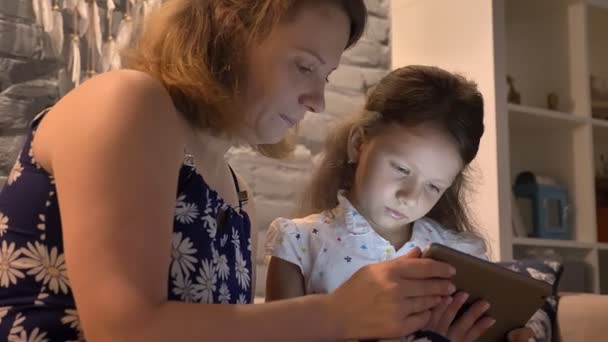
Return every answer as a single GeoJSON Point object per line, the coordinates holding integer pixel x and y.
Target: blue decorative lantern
{"type": "Point", "coordinates": [550, 208]}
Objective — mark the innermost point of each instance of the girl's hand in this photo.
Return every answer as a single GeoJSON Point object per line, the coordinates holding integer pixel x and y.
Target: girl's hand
{"type": "Point", "coordinates": [521, 335]}
{"type": "Point", "coordinates": [468, 327]}
{"type": "Point", "coordinates": [392, 298]}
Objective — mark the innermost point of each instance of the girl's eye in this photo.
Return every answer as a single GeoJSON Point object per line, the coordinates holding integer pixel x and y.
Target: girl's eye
{"type": "Point", "coordinates": [433, 188]}
{"type": "Point", "coordinates": [403, 170]}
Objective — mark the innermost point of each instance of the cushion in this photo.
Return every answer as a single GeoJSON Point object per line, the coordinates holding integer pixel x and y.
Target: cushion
{"type": "Point", "coordinates": [544, 321]}
{"type": "Point", "coordinates": [546, 270]}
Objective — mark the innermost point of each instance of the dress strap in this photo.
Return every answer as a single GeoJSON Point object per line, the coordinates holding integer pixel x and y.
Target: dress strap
{"type": "Point", "coordinates": [242, 195]}
{"type": "Point", "coordinates": [188, 158]}
{"type": "Point", "coordinates": [36, 120]}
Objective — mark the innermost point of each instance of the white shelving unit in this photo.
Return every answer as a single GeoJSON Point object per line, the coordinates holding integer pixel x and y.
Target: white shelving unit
{"type": "Point", "coordinates": [546, 46]}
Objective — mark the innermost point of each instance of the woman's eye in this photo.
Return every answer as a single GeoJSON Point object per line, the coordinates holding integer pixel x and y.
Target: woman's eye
{"type": "Point", "coordinates": [304, 69]}
{"type": "Point", "coordinates": [434, 188]}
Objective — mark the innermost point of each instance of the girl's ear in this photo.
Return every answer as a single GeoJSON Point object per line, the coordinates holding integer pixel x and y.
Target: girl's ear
{"type": "Point", "coordinates": [355, 144]}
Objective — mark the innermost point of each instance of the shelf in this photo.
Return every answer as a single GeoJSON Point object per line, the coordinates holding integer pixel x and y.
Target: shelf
{"type": "Point", "coordinates": [535, 242]}
{"type": "Point", "coordinates": [526, 118]}
{"type": "Point", "coordinates": [599, 123]}
{"type": "Point", "coordinates": [538, 51]}
{"type": "Point", "coordinates": [546, 113]}
{"type": "Point", "coordinates": [579, 260]}
{"type": "Point", "coordinates": [598, 3]}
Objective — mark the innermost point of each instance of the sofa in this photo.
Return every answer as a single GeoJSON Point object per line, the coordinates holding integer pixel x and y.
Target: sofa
{"type": "Point", "coordinates": [582, 318]}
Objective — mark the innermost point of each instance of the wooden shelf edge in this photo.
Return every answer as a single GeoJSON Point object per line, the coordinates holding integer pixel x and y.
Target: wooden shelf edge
{"type": "Point", "coordinates": [601, 123]}
{"type": "Point", "coordinates": [603, 4]}
{"type": "Point", "coordinates": [536, 242]}
{"type": "Point", "coordinates": [548, 114]}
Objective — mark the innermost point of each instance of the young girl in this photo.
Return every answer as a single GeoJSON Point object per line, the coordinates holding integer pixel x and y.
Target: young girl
{"type": "Point", "coordinates": [390, 183]}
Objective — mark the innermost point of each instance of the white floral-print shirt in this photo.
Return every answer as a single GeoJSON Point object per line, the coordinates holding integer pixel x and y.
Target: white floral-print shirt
{"type": "Point", "coordinates": [329, 247]}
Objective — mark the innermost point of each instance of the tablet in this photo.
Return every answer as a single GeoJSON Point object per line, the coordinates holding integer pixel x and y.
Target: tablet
{"type": "Point", "coordinates": [513, 297]}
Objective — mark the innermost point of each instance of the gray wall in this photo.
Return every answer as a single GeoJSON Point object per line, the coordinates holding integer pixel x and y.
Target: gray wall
{"type": "Point", "coordinates": [31, 77]}
{"type": "Point", "coordinates": [28, 76]}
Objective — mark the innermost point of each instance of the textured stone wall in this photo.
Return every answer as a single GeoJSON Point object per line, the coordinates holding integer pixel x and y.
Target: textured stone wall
{"type": "Point", "coordinates": [28, 77]}
{"type": "Point", "coordinates": [32, 77]}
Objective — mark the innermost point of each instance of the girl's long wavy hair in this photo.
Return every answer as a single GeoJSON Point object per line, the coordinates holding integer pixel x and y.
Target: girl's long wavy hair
{"type": "Point", "coordinates": [409, 96]}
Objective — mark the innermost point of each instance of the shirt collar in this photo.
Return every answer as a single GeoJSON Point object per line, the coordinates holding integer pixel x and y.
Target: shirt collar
{"type": "Point", "coordinates": [355, 222]}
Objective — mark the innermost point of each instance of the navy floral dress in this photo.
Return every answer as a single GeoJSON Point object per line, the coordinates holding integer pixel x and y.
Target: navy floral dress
{"type": "Point", "coordinates": [211, 260]}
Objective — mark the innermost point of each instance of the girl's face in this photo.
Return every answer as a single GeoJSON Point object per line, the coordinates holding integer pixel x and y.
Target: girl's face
{"type": "Point", "coordinates": [401, 174]}
{"type": "Point", "coordinates": [286, 73]}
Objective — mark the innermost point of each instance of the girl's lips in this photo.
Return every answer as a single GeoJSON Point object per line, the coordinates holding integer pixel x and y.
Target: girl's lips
{"type": "Point", "coordinates": [395, 214]}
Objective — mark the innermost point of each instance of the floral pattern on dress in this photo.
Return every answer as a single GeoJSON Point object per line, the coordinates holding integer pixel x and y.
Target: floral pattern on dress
{"type": "Point", "coordinates": [36, 300]}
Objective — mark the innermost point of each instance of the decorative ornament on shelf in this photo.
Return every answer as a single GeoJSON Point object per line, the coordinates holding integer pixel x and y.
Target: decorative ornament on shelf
{"type": "Point", "coordinates": [599, 97]}
{"type": "Point", "coordinates": [603, 170]}
{"type": "Point", "coordinates": [552, 101]}
{"type": "Point", "coordinates": [549, 205]}
{"type": "Point", "coordinates": [520, 229]}
{"type": "Point", "coordinates": [513, 96]}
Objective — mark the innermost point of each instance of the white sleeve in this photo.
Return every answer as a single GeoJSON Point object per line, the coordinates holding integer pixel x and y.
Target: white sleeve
{"type": "Point", "coordinates": [474, 246]}
{"type": "Point", "coordinates": [461, 241]}
{"type": "Point", "coordinates": [285, 240]}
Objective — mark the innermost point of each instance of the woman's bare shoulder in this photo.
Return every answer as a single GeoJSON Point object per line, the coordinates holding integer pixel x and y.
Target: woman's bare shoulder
{"type": "Point", "coordinates": [115, 106]}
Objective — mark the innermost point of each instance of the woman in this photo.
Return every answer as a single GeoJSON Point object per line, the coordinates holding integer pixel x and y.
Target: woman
{"type": "Point", "coordinates": [121, 221]}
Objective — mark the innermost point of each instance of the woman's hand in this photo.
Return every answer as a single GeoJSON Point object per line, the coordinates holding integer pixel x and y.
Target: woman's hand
{"type": "Point", "coordinates": [468, 327]}
{"type": "Point", "coordinates": [392, 298]}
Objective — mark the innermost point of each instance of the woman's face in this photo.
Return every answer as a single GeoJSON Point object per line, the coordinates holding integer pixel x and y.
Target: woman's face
{"type": "Point", "coordinates": [286, 74]}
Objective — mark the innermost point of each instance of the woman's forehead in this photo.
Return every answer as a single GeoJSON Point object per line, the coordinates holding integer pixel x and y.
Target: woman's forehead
{"type": "Point", "coordinates": [321, 27]}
